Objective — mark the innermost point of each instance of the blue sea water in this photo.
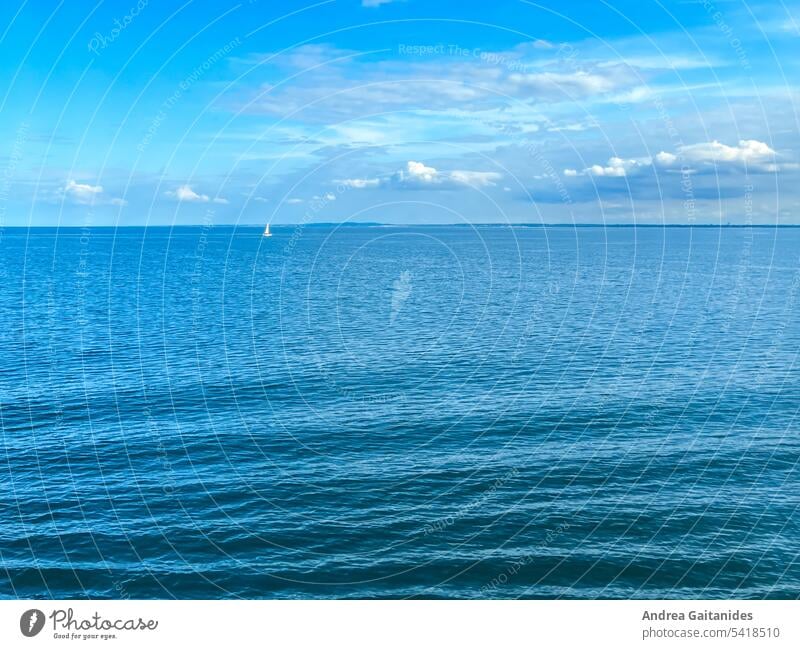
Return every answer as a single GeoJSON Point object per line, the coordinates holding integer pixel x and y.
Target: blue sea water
{"type": "Point", "coordinates": [399, 412]}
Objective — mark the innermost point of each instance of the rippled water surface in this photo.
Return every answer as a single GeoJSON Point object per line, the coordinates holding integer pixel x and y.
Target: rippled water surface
{"type": "Point", "coordinates": [400, 412]}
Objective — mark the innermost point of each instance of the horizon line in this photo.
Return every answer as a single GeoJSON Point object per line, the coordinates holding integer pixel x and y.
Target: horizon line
{"type": "Point", "coordinates": [409, 225]}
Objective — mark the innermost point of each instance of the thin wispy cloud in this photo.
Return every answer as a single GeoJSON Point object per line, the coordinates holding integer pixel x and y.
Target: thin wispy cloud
{"type": "Point", "coordinates": [334, 84]}
{"type": "Point", "coordinates": [523, 109]}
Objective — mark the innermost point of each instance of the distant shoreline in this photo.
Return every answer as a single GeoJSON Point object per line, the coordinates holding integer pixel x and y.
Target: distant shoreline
{"type": "Point", "coordinates": [228, 226]}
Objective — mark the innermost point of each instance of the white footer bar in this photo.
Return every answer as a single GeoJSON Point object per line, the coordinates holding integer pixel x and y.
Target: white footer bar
{"type": "Point", "coordinates": [389, 624]}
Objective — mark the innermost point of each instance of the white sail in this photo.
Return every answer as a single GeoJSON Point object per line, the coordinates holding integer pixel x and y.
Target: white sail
{"type": "Point", "coordinates": [266, 231]}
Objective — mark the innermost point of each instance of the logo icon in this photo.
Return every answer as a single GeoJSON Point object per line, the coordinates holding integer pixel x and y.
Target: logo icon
{"type": "Point", "coordinates": [31, 622]}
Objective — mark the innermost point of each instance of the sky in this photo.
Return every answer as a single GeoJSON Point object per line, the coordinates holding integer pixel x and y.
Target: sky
{"type": "Point", "coordinates": [137, 112]}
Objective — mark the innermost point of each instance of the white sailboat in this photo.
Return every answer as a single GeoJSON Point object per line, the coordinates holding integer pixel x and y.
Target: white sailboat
{"type": "Point", "coordinates": [266, 232]}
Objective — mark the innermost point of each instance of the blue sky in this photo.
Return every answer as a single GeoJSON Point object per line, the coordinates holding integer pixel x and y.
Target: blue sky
{"type": "Point", "coordinates": [406, 111]}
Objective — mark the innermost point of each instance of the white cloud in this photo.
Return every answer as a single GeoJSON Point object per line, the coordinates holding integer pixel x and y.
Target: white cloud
{"type": "Point", "coordinates": [360, 183]}
{"type": "Point", "coordinates": [418, 175]}
{"type": "Point", "coordinates": [573, 83]}
{"type": "Point", "coordinates": [575, 127]}
{"type": "Point", "coordinates": [474, 178]}
{"type": "Point", "coordinates": [327, 198]}
{"type": "Point", "coordinates": [666, 159]}
{"type": "Point", "coordinates": [747, 151]}
{"type": "Point", "coordinates": [185, 193]}
{"type": "Point", "coordinates": [616, 167]}
{"type": "Point", "coordinates": [82, 193]}
{"type": "Point", "coordinates": [294, 201]}
{"type": "Point", "coordinates": [418, 172]}
{"type": "Point", "coordinates": [375, 3]}
{"type": "Point", "coordinates": [758, 156]}
{"type": "Point", "coordinates": [791, 25]}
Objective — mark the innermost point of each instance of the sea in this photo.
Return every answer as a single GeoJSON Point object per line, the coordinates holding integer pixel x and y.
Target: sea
{"type": "Point", "coordinates": [400, 412]}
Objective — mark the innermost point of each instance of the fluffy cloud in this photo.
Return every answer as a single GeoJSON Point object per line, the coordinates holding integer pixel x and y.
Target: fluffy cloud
{"type": "Point", "coordinates": [418, 172]}
{"type": "Point", "coordinates": [666, 159]}
{"type": "Point", "coordinates": [616, 168]}
{"type": "Point", "coordinates": [746, 152]}
{"type": "Point", "coordinates": [709, 156]}
{"type": "Point", "coordinates": [186, 194]}
{"type": "Point", "coordinates": [418, 175]}
{"type": "Point", "coordinates": [82, 193]}
{"type": "Point", "coordinates": [375, 3]}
